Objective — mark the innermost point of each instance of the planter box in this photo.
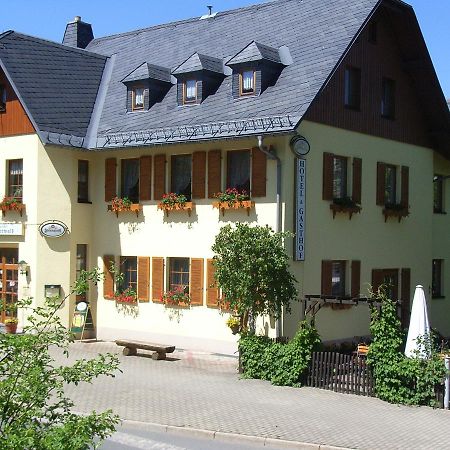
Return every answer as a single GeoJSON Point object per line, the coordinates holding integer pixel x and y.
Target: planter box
{"type": "Point", "coordinates": [188, 206]}
{"type": "Point", "coordinates": [19, 207]}
{"type": "Point", "coordinates": [135, 207]}
{"type": "Point", "coordinates": [350, 210]}
{"type": "Point", "coordinates": [399, 213]}
{"type": "Point", "coordinates": [245, 204]}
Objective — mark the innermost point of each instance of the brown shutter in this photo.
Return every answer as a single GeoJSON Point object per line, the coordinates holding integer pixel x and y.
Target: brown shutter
{"type": "Point", "coordinates": [196, 281]}
{"type": "Point", "coordinates": [405, 296]}
{"type": "Point", "coordinates": [160, 177]}
{"type": "Point", "coordinates": [108, 280]}
{"type": "Point", "coordinates": [110, 179]}
{"type": "Point", "coordinates": [157, 278]}
{"type": "Point", "coordinates": [381, 184]}
{"type": "Point", "coordinates": [143, 281]}
{"type": "Point", "coordinates": [327, 192]}
{"type": "Point", "coordinates": [145, 178]}
{"type": "Point", "coordinates": [198, 174]}
{"type": "Point", "coordinates": [357, 173]}
{"type": "Point", "coordinates": [212, 291]}
{"type": "Point", "coordinates": [405, 187]}
{"type": "Point", "coordinates": [356, 278]}
{"type": "Point", "coordinates": [377, 279]}
{"type": "Point", "coordinates": [259, 173]}
{"type": "Point", "coordinates": [326, 278]}
{"type": "Point", "coordinates": [214, 172]}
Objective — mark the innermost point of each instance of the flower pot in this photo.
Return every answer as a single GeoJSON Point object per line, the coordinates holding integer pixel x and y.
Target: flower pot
{"type": "Point", "coordinates": [234, 329]}
{"type": "Point", "coordinates": [11, 328]}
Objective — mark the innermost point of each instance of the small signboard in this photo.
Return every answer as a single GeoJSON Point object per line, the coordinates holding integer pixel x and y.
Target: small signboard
{"type": "Point", "coordinates": [11, 229]}
{"type": "Point", "coordinates": [82, 322]}
{"type": "Point", "coordinates": [53, 229]}
{"type": "Point", "coordinates": [300, 209]}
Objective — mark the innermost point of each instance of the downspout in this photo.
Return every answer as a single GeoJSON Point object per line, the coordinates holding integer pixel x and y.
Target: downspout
{"type": "Point", "coordinates": [271, 154]}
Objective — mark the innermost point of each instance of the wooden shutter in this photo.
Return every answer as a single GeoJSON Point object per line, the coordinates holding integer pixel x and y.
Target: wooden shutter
{"type": "Point", "coordinates": [357, 173]}
{"type": "Point", "coordinates": [212, 291]}
{"type": "Point", "coordinates": [143, 281]}
{"type": "Point", "coordinates": [405, 187]}
{"type": "Point", "coordinates": [259, 173]}
{"type": "Point", "coordinates": [108, 280]}
{"type": "Point", "coordinates": [356, 278]}
{"type": "Point", "coordinates": [145, 178]}
{"type": "Point", "coordinates": [377, 279]}
{"type": "Point", "coordinates": [326, 277]}
{"type": "Point", "coordinates": [198, 174]}
{"type": "Point", "coordinates": [405, 296]}
{"type": "Point", "coordinates": [110, 179]}
{"type": "Point", "coordinates": [157, 278]}
{"type": "Point", "coordinates": [381, 184]}
{"type": "Point", "coordinates": [196, 281]}
{"type": "Point", "coordinates": [159, 188]}
{"type": "Point", "coordinates": [327, 191]}
{"type": "Point", "coordinates": [214, 172]}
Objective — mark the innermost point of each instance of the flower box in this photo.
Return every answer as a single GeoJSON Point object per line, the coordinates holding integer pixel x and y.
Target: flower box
{"type": "Point", "coordinates": [167, 208]}
{"type": "Point", "coordinates": [336, 208]}
{"type": "Point", "coordinates": [396, 211]}
{"type": "Point", "coordinates": [12, 204]}
{"type": "Point", "coordinates": [176, 298]}
{"type": "Point", "coordinates": [244, 204]}
{"type": "Point", "coordinates": [134, 207]}
{"type": "Point", "coordinates": [127, 297]}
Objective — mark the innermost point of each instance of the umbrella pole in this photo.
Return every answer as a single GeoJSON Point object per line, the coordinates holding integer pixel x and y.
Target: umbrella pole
{"type": "Point", "coordinates": [447, 383]}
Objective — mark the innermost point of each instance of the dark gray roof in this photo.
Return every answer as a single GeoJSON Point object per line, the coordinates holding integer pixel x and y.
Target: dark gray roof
{"type": "Point", "coordinates": [148, 71]}
{"type": "Point", "coordinates": [198, 62]}
{"type": "Point", "coordinates": [316, 32]}
{"type": "Point", "coordinates": [57, 84]}
{"type": "Point", "coordinates": [256, 52]}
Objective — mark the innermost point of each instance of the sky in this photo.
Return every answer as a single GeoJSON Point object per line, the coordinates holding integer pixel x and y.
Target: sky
{"type": "Point", "coordinates": [48, 18]}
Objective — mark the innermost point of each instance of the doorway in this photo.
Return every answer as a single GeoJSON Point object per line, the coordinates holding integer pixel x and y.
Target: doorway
{"type": "Point", "coordinates": [9, 282]}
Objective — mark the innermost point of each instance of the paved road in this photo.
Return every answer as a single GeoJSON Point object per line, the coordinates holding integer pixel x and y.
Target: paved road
{"type": "Point", "coordinates": [204, 391]}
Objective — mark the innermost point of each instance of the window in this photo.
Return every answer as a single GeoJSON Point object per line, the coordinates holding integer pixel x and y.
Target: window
{"type": "Point", "coordinates": [15, 178]}
{"type": "Point", "coordinates": [338, 278]}
{"type": "Point", "coordinates": [373, 32]}
{"type": "Point", "coordinates": [238, 170]}
{"type": "Point", "coordinates": [179, 274]}
{"type": "Point", "coordinates": [128, 268]}
{"type": "Point", "coordinates": [2, 98]}
{"type": "Point", "coordinates": [390, 183]}
{"type": "Point", "coordinates": [190, 91]}
{"type": "Point", "coordinates": [247, 82]}
{"type": "Point", "coordinates": [83, 181]}
{"type": "Point", "coordinates": [352, 88]}
{"type": "Point", "coordinates": [436, 284]}
{"type": "Point", "coordinates": [138, 98]}
{"type": "Point", "coordinates": [339, 177]}
{"type": "Point", "coordinates": [181, 175]}
{"type": "Point", "coordinates": [388, 278]}
{"type": "Point", "coordinates": [81, 264]}
{"type": "Point", "coordinates": [388, 98]}
{"type": "Point", "coordinates": [130, 179]}
{"type": "Point", "coordinates": [438, 197]}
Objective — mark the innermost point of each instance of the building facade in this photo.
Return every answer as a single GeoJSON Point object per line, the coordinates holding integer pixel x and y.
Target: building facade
{"type": "Point", "coordinates": [147, 113]}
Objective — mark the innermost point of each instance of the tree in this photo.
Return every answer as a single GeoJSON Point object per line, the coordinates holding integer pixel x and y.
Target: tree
{"type": "Point", "coordinates": [252, 270]}
{"type": "Point", "coordinates": [34, 412]}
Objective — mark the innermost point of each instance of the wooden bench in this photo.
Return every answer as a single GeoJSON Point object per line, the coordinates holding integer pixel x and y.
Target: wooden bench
{"type": "Point", "coordinates": [130, 348]}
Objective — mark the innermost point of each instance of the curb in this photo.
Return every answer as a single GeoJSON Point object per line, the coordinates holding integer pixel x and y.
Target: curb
{"type": "Point", "coordinates": [231, 437]}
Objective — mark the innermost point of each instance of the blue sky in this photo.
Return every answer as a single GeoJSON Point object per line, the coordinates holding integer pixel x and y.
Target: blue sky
{"type": "Point", "coordinates": [47, 19]}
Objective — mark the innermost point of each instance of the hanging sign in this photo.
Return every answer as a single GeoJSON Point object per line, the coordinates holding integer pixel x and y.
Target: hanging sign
{"type": "Point", "coordinates": [300, 209]}
{"type": "Point", "coordinates": [53, 229]}
{"type": "Point", "coordinates": [11, 229]}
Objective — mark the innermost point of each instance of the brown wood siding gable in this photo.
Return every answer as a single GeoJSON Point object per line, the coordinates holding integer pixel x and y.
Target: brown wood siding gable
{"type": "Point", "coordinates": [159, 188]}
{"type": "Point", "coordinates": [214, 172]}
{"type": "Point", "coordinates": [157, 278]}
{"type": "Point", "coordinates": [212, 291]}
{"type": "Point", "coordinates": [108, 280]}
{"type": "Point", "coordinates": [143, 280]}
{"type": "Point", "coordinates": [326, 278]}
{"type": "Point", "coordinates": [199, 175]}
{"type": "Point", "coordinates": [196, 281]}
{"type": "Point", "coordinates": [259, 173]}
{"type": "Point", "coordinates": [145, 178]}
{"type": "Point", "coordinates": [405, 187]}
{"type": "Point", "coordinates": [110, 179]}
{"type": "Point", "coordinates": [356, 278]}
{"type": "Point", "coordinates": [327, 182]}
{"type": "Point", "coordinates": [381, 183]}
{"type": "Point", "coordinates": [357, 180]}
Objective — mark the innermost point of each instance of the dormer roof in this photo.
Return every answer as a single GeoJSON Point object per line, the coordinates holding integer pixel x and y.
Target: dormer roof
{"type": "Point", "coordinates": [256, 51]}
{"type": "Point", "coordinates": [198, 62]}
{"type": "Point", "coordinates": [148, 71]}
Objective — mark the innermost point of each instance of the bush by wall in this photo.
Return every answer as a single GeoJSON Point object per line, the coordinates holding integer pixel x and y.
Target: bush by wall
{"type": "Point", "coordinates": [281, 364]}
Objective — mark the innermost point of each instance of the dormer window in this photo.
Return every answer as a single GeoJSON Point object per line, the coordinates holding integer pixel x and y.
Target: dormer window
{"type": "Point", "coordinates": [247, 82]}
{"type": "Point", "coordinates": [138, 98]}
{"type": "Point", "coordinates": [190, 91]}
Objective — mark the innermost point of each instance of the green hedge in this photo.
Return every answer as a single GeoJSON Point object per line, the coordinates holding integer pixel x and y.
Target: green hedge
{"type": "Point", "coordinates": [281, 364]}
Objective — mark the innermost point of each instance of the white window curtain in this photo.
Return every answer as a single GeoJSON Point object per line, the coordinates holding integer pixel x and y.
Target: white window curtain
{"type": "Point", "coordinates": [16, 167]}
{"type": "Point", "coordinates": [247, 81]}
{"type": "Point", "coordinates": [191, 89]}
{"type": "Point", "coordinates": [139, 97]}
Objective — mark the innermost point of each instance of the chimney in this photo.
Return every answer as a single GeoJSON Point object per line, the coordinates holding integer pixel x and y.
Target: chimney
{"type": "Point", "coordinates": [78, 33]}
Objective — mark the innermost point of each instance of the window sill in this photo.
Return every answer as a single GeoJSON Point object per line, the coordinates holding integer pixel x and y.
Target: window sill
{"type": "Point", "coordinates": [84, 202]}
{"type": "Point", "coordinates": [135, 207]}
{"type": "Point", "coordinates": [437, 297]}
{"type": "Point", "coordinates": [439, 212]}
{"type": "Point", "coordinates": [245, 204]}
{"type": "Point", "coordinates": [345, 209]}
{"type": "Point", "coordinates": [399, 213]}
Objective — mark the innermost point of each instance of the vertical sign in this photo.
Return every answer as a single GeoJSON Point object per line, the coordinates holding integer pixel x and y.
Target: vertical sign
{"type": "Point", "coordinates": [300, 209]}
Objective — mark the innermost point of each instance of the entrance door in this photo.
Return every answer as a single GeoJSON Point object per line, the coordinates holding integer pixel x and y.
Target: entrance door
{"type": "Point", "coordinates": [9, 275]}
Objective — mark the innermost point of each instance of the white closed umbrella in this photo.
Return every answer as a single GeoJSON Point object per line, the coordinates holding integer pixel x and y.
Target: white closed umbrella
{"type": "Point", "coordinates": [419, 326]}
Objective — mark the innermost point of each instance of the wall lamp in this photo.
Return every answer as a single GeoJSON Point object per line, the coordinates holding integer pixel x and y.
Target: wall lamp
{"type": "Point", "coordinates": [440, 177]}
{"type": "Point", "coordinates": [23, 266]}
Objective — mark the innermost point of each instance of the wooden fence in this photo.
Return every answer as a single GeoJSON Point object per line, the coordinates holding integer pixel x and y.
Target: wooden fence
{"type": "Point", "coordinates": [340, 373]}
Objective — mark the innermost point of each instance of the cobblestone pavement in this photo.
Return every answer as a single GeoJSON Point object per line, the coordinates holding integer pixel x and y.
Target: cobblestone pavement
{"type": "Point", "coordinates": [204, 391]}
